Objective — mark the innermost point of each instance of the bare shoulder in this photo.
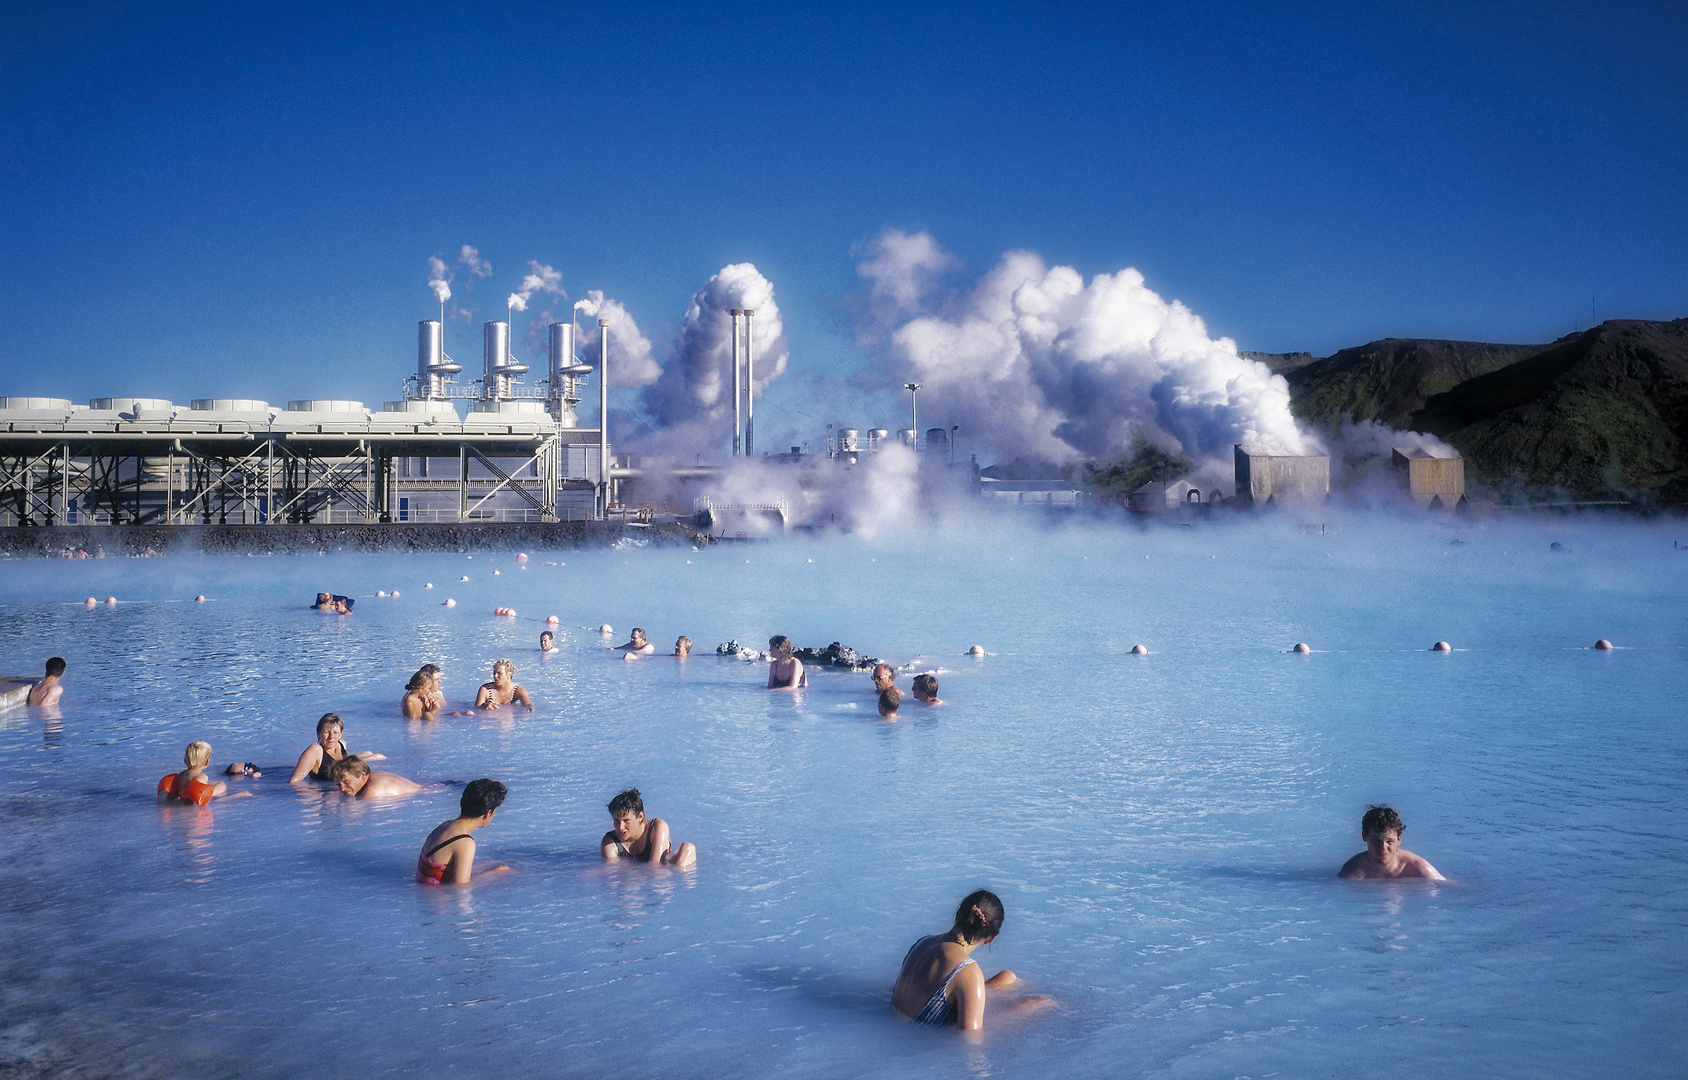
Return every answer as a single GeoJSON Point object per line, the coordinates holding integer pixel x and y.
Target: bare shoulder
{"type": "Point", "coordinates": [1354, 868]}
{"type": "Point", "coordinates": [1421, 867]}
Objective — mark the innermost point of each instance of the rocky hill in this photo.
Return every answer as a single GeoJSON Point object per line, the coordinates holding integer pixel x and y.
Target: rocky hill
{"type": "Point", "coordinates": [1389, 380]}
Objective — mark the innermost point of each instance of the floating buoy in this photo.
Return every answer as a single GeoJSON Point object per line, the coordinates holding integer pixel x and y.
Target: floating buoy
{"type": "Point", "coordinates": [1603, 645]}
{"type": "Point", "coordinates": [90, 601]}
{"type": "Point", "coordinates": [429, 585]}
{"type": "Point", "coordinates": [465, 577]}
{"type": "Point", "coordinates": [1138, 650]}
{"type": "Point", "coordinates": [113, 600]}
{"type": "Point", "coordinates": [521, 556]}
{"type": "Point", "coordinates": [1441, 646]}
{"type": "Point", "coordinates": [552, 619]}
{"type": "Point", "coordinates": [451, 603]}
{"type": "Point", "coordinates": [977, 650]}
{"type": "Point", "coordinates": [1301, 646]}
{"type": "Point", "coordinates": [200, 599]}
{"type": "Point", "coordinates": [378, 592]}
{"type": "Point", "coordinates": [606, 629]}
{"type": "Point", "coordinates": [495, 573]}
{"type": "Point", "coordinates": [395, 592]}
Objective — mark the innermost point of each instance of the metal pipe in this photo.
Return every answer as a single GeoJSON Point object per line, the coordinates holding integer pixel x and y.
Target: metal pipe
{"type": "Point", "coordinates": [738, 421]}
{"type": "Point", "coordinates": [603, 418]}
{"type": "Point", "coordinates": [749, 382]}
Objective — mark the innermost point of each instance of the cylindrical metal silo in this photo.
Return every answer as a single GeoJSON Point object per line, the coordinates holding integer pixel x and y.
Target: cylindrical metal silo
{"type": "Point", "coordinates": [495, 384]}
{"type": "Point", "coordinates": [430, 356]}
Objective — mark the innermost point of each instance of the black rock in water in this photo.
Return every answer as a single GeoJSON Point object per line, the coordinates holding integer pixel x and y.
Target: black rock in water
{"type": "Point", "coordinates": [837, 655]}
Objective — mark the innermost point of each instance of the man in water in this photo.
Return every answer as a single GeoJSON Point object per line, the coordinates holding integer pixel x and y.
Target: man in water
{"type": "Point", "coordinates": [356, 779]}
{"type": "Point", "coordinates": [1384, 858]}
{"type": "Point", "coordinates": [926, 689]}
{"type": "Point", "coordinates": [502, 690]}
{"type": "Point", "coordinates": [683, 647]}
{"type": "Point", "coordinates": [786, 672]}
{"type": "Point", "coordinates": [635, 838]}
{"type": "Point", "coordinates": [883, 678]}
{"type": "Point", "coordinates": [638, 644]}
{"type": "Point", "coordinates": [47, 691]}
{"type": "Point", "coordinates": [889, 700]}
{"type": "Point", "coordinates": [546, 642]}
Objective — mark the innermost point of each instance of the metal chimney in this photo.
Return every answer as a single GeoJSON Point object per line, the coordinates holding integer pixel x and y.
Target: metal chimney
{"type": "Point", "coordinates": [566, 373]}
{"type": "Point", "coordinates": [749, 382]}
{"type": "Point", "coordinates": [498, 366]}
{"type": "Point", "coordinates": [430, 357]}
{"type": "Point", "coordinates": [603, 418]}
{"type": "Point", "coordinates": [738, 422]}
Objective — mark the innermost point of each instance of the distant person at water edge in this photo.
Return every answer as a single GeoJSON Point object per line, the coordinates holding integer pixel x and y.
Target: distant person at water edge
{"type": "Point", "coordinates": [448, 855]}
{"type": "Point", "coordinates": [890, 699]}
{"type": "Point", "coordinates": [941, 984]}
{"type": "Point", "coordinates": [47, 691]}
{"type": "Point", "coordinates": [424, 694]}
{"type": "Point", "coordinates": [638, 644]}
{"type": "Point", "coordinates": [502, 690]}
{"type": "Point", "coordinates": [643, 841]}
{"type": "Point", "coordinates": [190, 785]}
{"type": "Point", "coordinates": [883, 677]}
{"type": "Point", "coordinates": [925, 689]}
{"type": "Point", "coordinates": [786, 672]}
{"type": "Point", "coordinates": [683, 647]}
{"type": "Point", "coordinates": [1381, 829]}
{"type": "Point", "coordinates": [355, 778]}
{"type": "Point", "coordinates": [319, 758]}
{"type": "Point", "coordinates": [547, 642]}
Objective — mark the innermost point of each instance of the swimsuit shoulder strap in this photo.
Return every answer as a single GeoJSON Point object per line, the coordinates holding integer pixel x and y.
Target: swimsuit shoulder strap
{"type": "Point", "coordinates": [448, 840]}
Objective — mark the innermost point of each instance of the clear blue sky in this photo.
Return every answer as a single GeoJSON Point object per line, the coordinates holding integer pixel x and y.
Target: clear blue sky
{"type": "Point", "coordinates": [211, 202]}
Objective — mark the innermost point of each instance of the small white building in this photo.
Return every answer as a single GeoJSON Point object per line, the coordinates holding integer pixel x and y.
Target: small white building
{"type": "Point", "coordinates": [1169, 495]}
{"type": "Point", "coordinates": [1030, 492]}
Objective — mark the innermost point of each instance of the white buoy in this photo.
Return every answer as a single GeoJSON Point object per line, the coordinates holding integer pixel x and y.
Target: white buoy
{"type": "Point", "coordinates": [429, 585]}
{"type": "Point", "coordinates": [495, 573]}
{"type": "Point", "coordinates": [90, 601]}
{"type": "Point", "coordinates": [1441, 646]}
{"type": "Point", "coordinates": [1603, 645]}
{"type": "Point", "coordinates": [552, 620]}
{"type": "Point", "coordinates": [521, 556]}
{"type": "Point", "coordinates": [606, 629]}
{"type": "Point", "coordinates": [1301, 646]}
{"type": "Point", "coordinates": [1138, 650]}
{"type": "Point", "coordinates": [113, 600]}
{"type": "Point", "coordinates": [977, 650]}
{"type": "Point", "coordinates": [450, 603]}
{"type": "Point", "coordinates": [378, 592]}
{"type": "Point", "coordinates": [395, 592]}
{"type": "Point", "coordinates": [465, 577]}
{"type": "Point", "coordinates": [200, 599]}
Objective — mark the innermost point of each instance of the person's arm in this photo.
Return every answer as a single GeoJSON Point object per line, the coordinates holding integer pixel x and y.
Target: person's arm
{"type": "Point", "coordinates": [483, 695]}
{"type": "Point", "coordinates": [970, 999]}
{"type": "Point", "coordinates": [773, 683]}
{"type": "Point", "coordinates": [659, 840]}
{"type": "Point", "coordinates": [1425, 870]}
{"type": "Point", "coordinates": [462, 861]}
{"type": "Point", "coordinates": [521, 695]}
{"type": "Point", "coordinates": [799, 677]}
{"type": "Point", "coordinates": [370, 755]}
{"type": "Point", "coordinates": [309, 760]}
{"type": "Point", "coordinates": [413, 706]}
{"type": "Point", "coordinates": [609, 847]}
{"type": "Point", "coordinates": [1001, 979]}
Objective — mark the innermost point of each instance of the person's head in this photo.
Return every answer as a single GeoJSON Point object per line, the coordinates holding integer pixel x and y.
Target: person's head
{"type": "Point", "coordinates": [683, 646]}
{"type": "Point", "coordinates": [780, 646]}
{"type": "Point", "coordinates": [979, 918]}
{"type": "Point", "coordinates": [882, 676]}
{"type": "Point", "coordinates": [638, 635]}
{"type": "Point", "coordinates": [481, 797]}
{"type": "Point", "coordinates": [419, 681]}
{"type": "Point", "coordinates": [627, 810]}
{"type": "Point", "coordinates": [925, 687]}
{"type": "Point", "coordinates": [197, 755]}
{"type": "Point", "coordinates": [434, 672]}
{"type": "Point", "coordinates": [55, 666]}
{"type": "Point", "coordinates": [329, 728]}
{"type": "Point", "coordinates": [1381, 829]}
{"type": "Point", "coordinates": [545, 639]}
{"type": "Point", "coordinates": [505, 667]}
{"type": "Point", "coordinates": [890, 699]}
{"type": "Point", "coordinates": [350, 773]}
{"type": "Point", "coordinates": [325, 598]}
{"type": "Point", "coordinates": [344, 607]}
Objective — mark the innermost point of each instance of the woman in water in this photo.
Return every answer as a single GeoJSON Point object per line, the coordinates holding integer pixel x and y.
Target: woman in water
{"type": "Point", "coordinates": [319, 758]}
{"type": "Point", "coordinates": [423, 694]}
{"type": "Point", "coordinates": [448, 855]}
{"type": "Point", "coordinates": [502, 690]}
{"type": "Point", "coordinates": [642, 841]}
{"type": "Point", "coordinates": [940, 983]}
{"type": "Point", "coordinates": [786, 672]}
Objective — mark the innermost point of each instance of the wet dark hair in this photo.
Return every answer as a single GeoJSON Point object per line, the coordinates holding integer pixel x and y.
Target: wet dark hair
{"type": "Point", "coordinates": [482, 796]}
{"type": "Point", "coordinates": [55, 666]}
{"type": "Point", "coordinates": [628, 802]}
{"type": "Point", "coordinates": [543, 634]}
{"type": "Point", "coordinates": [330, 720]}
{"type": "Point", "coordinates": [925, 686]}
{"type": "Point", "coordinates": [890, 698]}
{"type": "Point", "coordinates": [418, 680]}
{"type": "Point", "coordinates": [780, 646]}
{"type": "Point", "coordinates": [980, 916]}
{"type": "Point", "coordinates": [1381, 819]}
{"type": "Point", "coordinates": [429, 669]}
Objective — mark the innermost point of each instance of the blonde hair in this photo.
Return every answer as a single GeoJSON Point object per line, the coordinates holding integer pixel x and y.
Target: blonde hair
{"type": "Point", "coordinates": [198, 754]}
{"type": "Point", "coordinates": [496, 664]}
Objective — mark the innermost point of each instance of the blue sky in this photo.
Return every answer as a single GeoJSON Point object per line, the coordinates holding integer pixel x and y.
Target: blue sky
{"type": "Point", "coordinates": [213, 202]}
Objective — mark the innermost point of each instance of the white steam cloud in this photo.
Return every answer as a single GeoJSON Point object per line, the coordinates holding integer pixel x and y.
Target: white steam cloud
{"type": "Point", "coordinates": [631, 359]}
{"type": "Point", "coordinates": [696, 385]}
{"type": "Point", "coordinates": [1037, 362]}
{"type": "Point", "coordinates": [471, 258]}
{"type": "Point", "coordinates": [439, 279]}
{"type": "Point", "coordinates": [540, 278]}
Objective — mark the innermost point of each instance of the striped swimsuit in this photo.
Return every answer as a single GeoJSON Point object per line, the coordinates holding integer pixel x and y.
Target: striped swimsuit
{"type": "Point", "coordinates": [939, 1011]}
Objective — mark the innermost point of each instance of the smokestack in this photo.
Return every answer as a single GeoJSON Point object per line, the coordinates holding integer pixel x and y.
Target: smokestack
{"type": "Point", "coordinates": [603, 418]}
{"type": "Point", "coordinates": [430, 355]}
{"type": "Point", "coordinates": [737, 421]}
{"type": "Point", "coordinates": [749, 382]}
{"type": "Point", "coordinates": [497, 365]}
{"type": "Point", "coordinates": [565, 395]}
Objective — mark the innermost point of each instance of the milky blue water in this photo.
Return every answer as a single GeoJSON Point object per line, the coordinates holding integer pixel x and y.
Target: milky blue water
{"type": "Point", "coordinates": [1164, 830]}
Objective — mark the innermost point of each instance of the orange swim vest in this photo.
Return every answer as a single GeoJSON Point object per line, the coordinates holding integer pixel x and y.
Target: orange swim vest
{"type": "Point", "coordinates": [198, 790]}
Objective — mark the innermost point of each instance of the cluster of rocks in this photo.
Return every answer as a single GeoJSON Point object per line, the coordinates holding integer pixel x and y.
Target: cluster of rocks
{"type": "Point", "coordinates": [835, 655]}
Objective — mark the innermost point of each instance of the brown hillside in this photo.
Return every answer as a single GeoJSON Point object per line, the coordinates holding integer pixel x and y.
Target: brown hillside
{"type": "Point", "coordinates": [1389, 380]}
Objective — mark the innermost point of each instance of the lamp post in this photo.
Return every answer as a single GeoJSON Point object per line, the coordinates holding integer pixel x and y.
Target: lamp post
{"type": "Point", "coordinates": [738, 420]}
{"type": "Point", "coordinates": [953, 429]}
{"type": "Point", "coordinates": [913, 389]}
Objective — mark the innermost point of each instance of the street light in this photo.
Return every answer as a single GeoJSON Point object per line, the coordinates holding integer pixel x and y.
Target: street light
{"type": "Point", "coordinates": [913, 389]}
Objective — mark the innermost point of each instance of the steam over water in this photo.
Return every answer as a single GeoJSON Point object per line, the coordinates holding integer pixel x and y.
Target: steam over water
{"type": "Point", "coordinates": [1164, 830]}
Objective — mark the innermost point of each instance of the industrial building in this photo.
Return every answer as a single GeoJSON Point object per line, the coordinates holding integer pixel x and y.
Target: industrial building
{"type": "Point", "coordinates": [1272, 478]}
{"type": "Point", "coordinates": [1430, 478]}
{"type": "Point", "coordinates": [1170, 495]}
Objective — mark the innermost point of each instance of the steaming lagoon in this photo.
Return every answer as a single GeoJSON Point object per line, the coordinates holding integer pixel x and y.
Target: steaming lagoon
{"type": "Point", "coordinates": [1163, 829]}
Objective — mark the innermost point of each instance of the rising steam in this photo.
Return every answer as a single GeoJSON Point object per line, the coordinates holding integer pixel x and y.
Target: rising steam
{"type": "Point", "coordinates": [471, 258]}
{"type": "Point", "coordinates": [631, 359]}
{"type": "Point", "coordinates": [539, 279]}
{"type": "Point", "coordinates": [439, 279]}
{"type": "Point", "coordinates": [1037, 362]}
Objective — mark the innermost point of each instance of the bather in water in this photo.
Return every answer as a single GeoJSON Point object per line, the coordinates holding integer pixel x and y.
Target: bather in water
{"type": "Point", "coordinates": [502, 690]}
{"type": "Point", "coordinates": [642, 841]}
{"type": "Point", "coordinates": [448, 855]}
{"type": "Point", "coordinates": [941, 984]}
{"type": "Point", "coordinates": [424, 694]}
{"type": "Point", "coordinates": [786, 672]}
{"type": "Point", "coordinates": [353, 777]}
{"type": "Point", "coordinates": [191, 785]}
{"type": "Point", "coordinates": [319, 758]}
{"type": "Point", "coordinates": [47, 691]}
{"type": "Point", "coordinates": [1384, 858]}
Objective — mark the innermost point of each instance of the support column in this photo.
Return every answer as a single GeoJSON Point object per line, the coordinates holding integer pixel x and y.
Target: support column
{"type": "Point", "coordinates": [738, 420]}
{"type": "Point", "coordinates": [603, 419]}
{"type": "Point", "coordinates": [749, 382]}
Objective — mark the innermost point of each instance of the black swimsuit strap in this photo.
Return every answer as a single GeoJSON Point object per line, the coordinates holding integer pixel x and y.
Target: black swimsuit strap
{"type": "Point", "coordinates": [443, 843]}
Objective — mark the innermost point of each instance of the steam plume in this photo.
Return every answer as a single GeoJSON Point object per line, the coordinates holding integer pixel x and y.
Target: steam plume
{"type": "Point", "coordinates": [696, 384]}
{"type": "Point", "coordinates": [439, 279]}
{"type": "Point", "coordinates": [631, 362]}
{"type": "Point", "coordinates": [1037, 362]}
{"type": "Point", "coordinates": [471, 258]}
{"type": "Point", "coordinates": [540, 278]}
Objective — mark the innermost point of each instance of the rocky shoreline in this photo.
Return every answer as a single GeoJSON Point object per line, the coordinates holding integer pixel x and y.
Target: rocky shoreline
{"type": "Point", "coordinates": [24, 542]}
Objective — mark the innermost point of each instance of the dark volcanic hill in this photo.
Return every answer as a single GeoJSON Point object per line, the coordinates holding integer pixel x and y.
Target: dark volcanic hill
{"type": "Point", "coordinates": [1389, 380]}
{"type": "Point", "coordinates": [1600, 414]}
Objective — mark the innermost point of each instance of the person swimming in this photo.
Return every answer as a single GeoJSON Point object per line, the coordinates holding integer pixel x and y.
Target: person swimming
{"type": "Point", "coordinates": [319, 758]}
{"type": "Point", "coordinates": [502, 690]}
{"type": "Point", "coordinates": [644, 841]}
{"type": "Point", "coordinates": [637, 644]}
{"type": "Point", "coordinates": [890, 699]}
{"type": "Point", "coordinates": [883, 678]}
{"type": "Point", "coordinates": [355, 778]}
{"type": "Point", "coordinates": [1384, 858]}
{"type": "Point", "coordinates": [448, 854]}
{"type": "Point", "coordinates": [925, 689]}
{"type": "Point", "coordinates": [547, 642]}
{"type": "Point", "coordinates": [683, 646]}
{"type": "Point", "coordinates": [786, 672]}
{"type": "Point", "coordinates": [940, 983]}
{"type": "Point", "coordinates": [423, 696]}
{"type": "Point", "coordinates": [340, 605]}
{"type": "Point", "coordinates": [48, 690]}
{"type": "Point", "coordinates": [191, 785]}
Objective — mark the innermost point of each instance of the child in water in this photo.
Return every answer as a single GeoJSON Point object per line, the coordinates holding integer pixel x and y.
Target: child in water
{"type": "Point", "coordinates": [635, 838]}
{"type": "Point", "coordinates": [1384, 858]}
{"type": "Point", "coordinates": [190, 785]}
{"type": "Point", "coordinates": [448, 855]}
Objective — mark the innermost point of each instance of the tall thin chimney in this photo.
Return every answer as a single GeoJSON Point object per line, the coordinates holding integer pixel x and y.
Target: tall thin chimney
{"type": "Point", "coordinates": [603, 418]}
{"type": "Point", "coordinates": [749, 383]}
{"type": "Point", "coordinates": [737, 422]}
